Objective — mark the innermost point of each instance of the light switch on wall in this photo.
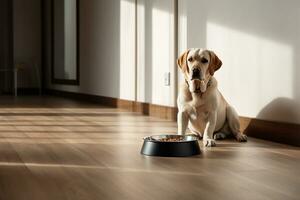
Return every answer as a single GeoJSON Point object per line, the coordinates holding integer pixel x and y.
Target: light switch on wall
{"type": "Point", "coordinates": [167, 78]}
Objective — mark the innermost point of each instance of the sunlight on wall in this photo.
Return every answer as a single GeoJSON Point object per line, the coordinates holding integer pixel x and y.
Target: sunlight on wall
{"type": "Point", "coordinates": [141, 40]}
{"type": "Point", "coordinates": [182, 29]}
{"type": "Point", "coordinates": [161, 55]}
{"type": "Point", "coordinates": [255, 70]}
{"type": "Point", "coordinates": [182, 34]}
{"type": "Point", "coordinates": [127, 49]}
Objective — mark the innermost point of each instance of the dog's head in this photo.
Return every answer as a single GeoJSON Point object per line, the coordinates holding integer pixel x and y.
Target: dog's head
{"type": "Point", "coordinates": [198, 66]}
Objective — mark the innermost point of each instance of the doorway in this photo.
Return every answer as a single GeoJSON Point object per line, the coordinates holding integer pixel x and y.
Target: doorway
{"type": "Point", "coordinates": [6, 46]}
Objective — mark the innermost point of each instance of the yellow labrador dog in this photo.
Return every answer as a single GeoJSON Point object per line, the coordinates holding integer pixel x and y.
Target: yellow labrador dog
{"type": "Point", "coordinates": [201, 106]}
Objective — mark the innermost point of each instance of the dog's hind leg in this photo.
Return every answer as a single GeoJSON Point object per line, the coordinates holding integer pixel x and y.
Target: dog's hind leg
{"type": "Point", "coordinates": [220, 135]}
{"type": "Point", "coordinates": [234, 124]}
{"type": "Point", "coordinates": [223, 133]}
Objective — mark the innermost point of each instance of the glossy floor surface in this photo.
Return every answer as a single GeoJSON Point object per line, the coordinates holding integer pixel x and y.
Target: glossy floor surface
{"type": "Point", "coordinates": [54, 148]}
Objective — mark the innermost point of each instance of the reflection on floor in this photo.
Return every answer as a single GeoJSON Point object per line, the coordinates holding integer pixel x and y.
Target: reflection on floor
{"type": "Point", "coordinates": [54, 148]}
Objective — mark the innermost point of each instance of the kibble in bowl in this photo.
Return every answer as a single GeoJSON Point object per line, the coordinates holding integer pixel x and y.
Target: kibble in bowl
{"type": "Point", "coordinates": [172, 138]}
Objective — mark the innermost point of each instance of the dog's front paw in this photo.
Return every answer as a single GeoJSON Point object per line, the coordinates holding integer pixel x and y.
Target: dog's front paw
{"type": "Point", "coordinates": [209, 142]}
{"type": "Point", "coordinates": [241, 137]}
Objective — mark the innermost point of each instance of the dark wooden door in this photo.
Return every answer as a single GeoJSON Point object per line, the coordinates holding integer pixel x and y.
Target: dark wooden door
{"type": "Point", "coordinates": [6, 45]}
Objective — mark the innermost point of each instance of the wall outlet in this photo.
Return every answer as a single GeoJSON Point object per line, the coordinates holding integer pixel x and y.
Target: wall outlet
{"type": "Point", "coordinates": [167, 76]}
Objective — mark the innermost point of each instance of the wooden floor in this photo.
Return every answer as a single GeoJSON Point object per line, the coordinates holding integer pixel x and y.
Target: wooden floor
{"type": "Point", "coordinates": [53, 148]}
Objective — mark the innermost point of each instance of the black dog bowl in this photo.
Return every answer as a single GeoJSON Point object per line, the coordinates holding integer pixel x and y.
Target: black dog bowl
{"type": "Point", "coordinates": [171, 145]}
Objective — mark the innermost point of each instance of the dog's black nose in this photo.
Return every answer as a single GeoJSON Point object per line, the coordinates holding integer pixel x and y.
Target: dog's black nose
{"type": "Point", "coordinates": [196, 74]}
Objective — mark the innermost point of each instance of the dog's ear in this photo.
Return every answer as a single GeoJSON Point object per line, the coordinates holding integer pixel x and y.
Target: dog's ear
{"type": "Point", "coordinates": [182, 61]}
{"type": "Point", "coordinates": [215, 63]}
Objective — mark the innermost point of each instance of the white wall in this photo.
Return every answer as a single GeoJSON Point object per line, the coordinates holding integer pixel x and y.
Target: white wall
{"type": "Point", "coordinates": [155, 51]}
{"type": "Point", "coordinates": [127, 86]}
{"type": "Point", "coordinates": [107, 50]}
{"type": "Point", "coordinates": [258, 42]}
{"type": "Point", "coordinates": [27, 40]}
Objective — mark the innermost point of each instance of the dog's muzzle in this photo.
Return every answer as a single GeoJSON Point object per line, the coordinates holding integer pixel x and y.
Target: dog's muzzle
{"type": "Point", "coordinates": [198, 85]}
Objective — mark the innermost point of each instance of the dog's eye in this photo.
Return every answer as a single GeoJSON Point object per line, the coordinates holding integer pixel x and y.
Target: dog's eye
{"type": "Point", "coordinates": [204, 60]}
{"type": "Point", "coordinates": [190, 59]}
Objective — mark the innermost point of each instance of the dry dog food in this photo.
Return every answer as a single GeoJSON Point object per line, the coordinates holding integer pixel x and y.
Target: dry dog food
{"type": "Point", "coordinates": [171, 139]}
